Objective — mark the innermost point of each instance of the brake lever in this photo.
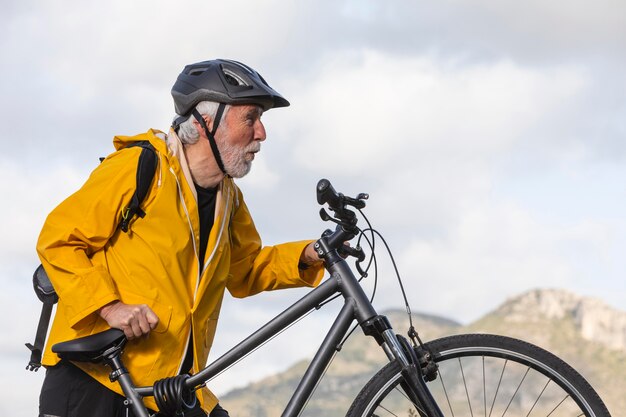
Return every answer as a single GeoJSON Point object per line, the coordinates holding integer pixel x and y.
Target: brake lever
{"type": "Point", "coordinates": [358, 202]}
{"type": "Point", "coordinates": [338, 219]}
{"type": "Point", "coordinates": [356, 252]}
{"type": "Point", "coordinates": [327, 217]}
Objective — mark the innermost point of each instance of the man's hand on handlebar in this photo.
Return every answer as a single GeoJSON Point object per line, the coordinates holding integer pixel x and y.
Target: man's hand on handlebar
{"type": "Point", "coordinates": [309, 256]}
{"type": "Point", "coordinates": [135, 320]}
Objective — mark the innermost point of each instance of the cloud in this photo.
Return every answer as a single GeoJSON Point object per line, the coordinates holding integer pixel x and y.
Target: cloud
{"type": "Point", "coordinates": [371, 107]}
{"type": "Point", "coordinates": [486, 30]}
{"type": "Point", "coordinates": [497, 250]}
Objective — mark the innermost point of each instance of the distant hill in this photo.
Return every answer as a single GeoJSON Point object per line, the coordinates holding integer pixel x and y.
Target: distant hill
{"type": "Point", "coordinates": [585, 332]}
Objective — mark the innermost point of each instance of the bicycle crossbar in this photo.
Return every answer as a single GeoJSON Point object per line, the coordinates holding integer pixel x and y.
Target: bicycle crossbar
{"type": "Point", "coordinates": [310, 301]}
{"type": "Point", "coordinates": [265, 333]}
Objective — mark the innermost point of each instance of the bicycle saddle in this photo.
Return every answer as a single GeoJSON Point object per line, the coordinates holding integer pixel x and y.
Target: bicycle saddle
{"type": "Point", "coordinates": [92, 348]}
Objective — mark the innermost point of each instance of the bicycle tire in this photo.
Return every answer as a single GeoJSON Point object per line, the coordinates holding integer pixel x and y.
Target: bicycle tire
{"type": "Point", "coordinates": [536, 383]}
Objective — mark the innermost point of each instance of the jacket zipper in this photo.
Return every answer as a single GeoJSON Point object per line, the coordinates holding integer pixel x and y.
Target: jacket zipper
{"type": "Point", "coordinates": [200, 271]}
{"type": "Point", "coordinates": [195, 250]}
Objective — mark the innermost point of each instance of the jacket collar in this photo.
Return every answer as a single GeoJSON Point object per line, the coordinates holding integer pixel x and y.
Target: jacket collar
{"type": "Point", "coordinates": [175, 147]}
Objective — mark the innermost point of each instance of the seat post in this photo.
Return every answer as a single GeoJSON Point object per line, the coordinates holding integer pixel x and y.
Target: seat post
{"type": "Point", "coordinates": [120, 374]}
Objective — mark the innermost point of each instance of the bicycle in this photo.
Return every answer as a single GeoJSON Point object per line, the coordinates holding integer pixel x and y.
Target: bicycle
{"type": "Point", "coordinates": [443, 377]}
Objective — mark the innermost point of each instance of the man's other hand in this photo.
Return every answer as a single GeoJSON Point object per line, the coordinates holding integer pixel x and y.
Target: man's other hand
{"type": "Point", "coordinates": [135, 320]}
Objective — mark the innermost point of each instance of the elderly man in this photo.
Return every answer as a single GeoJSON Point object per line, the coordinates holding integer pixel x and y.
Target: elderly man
{"type": "Point", "coordinates": [165, 277]}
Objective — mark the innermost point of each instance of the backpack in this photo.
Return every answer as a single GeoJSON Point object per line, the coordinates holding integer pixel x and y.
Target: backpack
{"type": "Point", "coordinates": [146, 168]}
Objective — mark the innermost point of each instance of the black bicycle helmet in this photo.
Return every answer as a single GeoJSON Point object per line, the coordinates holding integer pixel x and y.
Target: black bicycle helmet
{"type": "Point", "coordinates": [223, 81]}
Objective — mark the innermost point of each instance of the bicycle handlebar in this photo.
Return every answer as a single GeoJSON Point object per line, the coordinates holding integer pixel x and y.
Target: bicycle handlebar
{"type": "Point", "coordinates": [326, 194]}
{"type": "Point", "coordinates": [338, 204]}
{"type": "Point", "coordinates": [345, 219]}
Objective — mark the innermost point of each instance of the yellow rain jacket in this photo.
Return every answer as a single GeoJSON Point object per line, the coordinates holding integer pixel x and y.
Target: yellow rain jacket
{"type": "Point", "coordinates": [91, 263]}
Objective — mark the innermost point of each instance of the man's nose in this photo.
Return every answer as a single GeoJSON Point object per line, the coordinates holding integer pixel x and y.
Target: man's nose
{"type": "Point", "coordinates": [259, 131]}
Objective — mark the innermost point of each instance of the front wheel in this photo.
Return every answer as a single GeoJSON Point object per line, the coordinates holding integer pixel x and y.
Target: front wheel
{"type": "Point", "coordinates": [486, 375]}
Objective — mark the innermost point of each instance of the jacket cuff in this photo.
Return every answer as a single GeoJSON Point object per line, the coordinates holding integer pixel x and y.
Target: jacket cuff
{"type": "Point", "coordinates": [84, 316]}
{"type": "Point", "coordinates": [311, 275]}
{"type": "Point", "coordinates": [85, 293]}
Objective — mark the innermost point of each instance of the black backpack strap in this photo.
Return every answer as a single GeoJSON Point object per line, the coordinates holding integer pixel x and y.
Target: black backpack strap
{"type": "Point", "coordinates": [146, 168]}
{"type": "Point", "coordinates": [45, 292]}
{"type": "Point", "coordinates": [42, 329]}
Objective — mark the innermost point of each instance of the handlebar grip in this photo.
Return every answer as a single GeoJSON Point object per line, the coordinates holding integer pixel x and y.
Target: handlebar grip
{"type": "Point", "coordinates": [322, 188]}
{"type": "Point", "coordinates": [327, 194]}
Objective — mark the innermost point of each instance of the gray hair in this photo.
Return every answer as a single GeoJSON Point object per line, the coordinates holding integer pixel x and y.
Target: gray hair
{"type": "Point", "coordinates": [188, 133]}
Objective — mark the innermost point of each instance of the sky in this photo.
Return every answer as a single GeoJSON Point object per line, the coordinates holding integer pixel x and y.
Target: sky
{"type": "Point", "coordinates": [490, 136]}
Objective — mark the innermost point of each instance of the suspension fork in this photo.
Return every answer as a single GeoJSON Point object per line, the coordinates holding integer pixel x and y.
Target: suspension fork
{"type": "Point", "coordinates": [414, 385]}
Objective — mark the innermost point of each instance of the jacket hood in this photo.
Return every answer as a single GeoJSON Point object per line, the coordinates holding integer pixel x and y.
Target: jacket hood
{"type": "Point", "coordinates": [155, 137]}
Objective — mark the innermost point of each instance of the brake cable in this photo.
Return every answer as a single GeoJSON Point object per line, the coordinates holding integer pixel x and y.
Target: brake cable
{"type": "Point", "coordinates": [412, 333]}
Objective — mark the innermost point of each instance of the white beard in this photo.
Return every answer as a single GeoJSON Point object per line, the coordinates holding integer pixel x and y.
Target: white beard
{"type": "Point", "coordinates": [236, 158]}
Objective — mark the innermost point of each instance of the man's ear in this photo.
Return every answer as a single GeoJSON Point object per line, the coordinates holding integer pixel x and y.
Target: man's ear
{"type": "Point", "coordinates": [198, 126]}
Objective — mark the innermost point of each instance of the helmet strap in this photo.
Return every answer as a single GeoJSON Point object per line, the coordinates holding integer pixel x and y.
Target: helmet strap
{"type": "Point", "coordinates": [211, 134]}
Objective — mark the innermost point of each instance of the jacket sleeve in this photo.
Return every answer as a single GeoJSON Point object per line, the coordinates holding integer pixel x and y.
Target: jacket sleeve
{"type": "Point", "coordinates": [82, 225]}
{"type": "Point", "coordinates": [255, 268]}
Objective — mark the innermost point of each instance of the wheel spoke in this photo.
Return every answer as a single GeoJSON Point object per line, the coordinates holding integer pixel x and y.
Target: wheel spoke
{"type": "Point", "coordinates": [445, 392]}
{"type": "Point", "coordinates": [558, 405]}
{"type": "Point", "coordinates": [388, 410]}
{"type": "Point", "coordinates": [417, 407]}
{"type": "Point", "coordinates": [465, 385]}
{"type": "Point", "coordinates": [516, 390]}
{"type": "Point", "coordinates": [401, 391]}
{"type": "Point", "coordinates": [495, 395]}
{"type": "Point", "coordinates": [484, 388]}
{"type": "Point", "coordinates": [539, 397]}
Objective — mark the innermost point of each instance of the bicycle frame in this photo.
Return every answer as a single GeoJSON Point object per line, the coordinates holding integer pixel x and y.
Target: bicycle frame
{"type": "Point", "coordinates": [356, 307]}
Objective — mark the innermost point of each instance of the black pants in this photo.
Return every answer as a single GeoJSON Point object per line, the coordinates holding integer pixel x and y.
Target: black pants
{"type": "Point", "coordinates": [67, 391]}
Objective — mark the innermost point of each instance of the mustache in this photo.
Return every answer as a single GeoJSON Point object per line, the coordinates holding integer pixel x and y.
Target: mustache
{"type": "Point", "coordinates": [253, 147]}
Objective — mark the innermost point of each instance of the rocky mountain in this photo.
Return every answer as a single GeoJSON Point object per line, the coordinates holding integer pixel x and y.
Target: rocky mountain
{"type": "Point", "coordinates": [584, 332]}
{"type": "Point", "coordinates": [593, 320]}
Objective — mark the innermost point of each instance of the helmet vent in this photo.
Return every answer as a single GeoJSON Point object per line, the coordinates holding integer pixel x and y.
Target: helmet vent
{"type": "Point", "coordinates": [233, 79]}
{"type": "Point", "coordinates": [198, 71]}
